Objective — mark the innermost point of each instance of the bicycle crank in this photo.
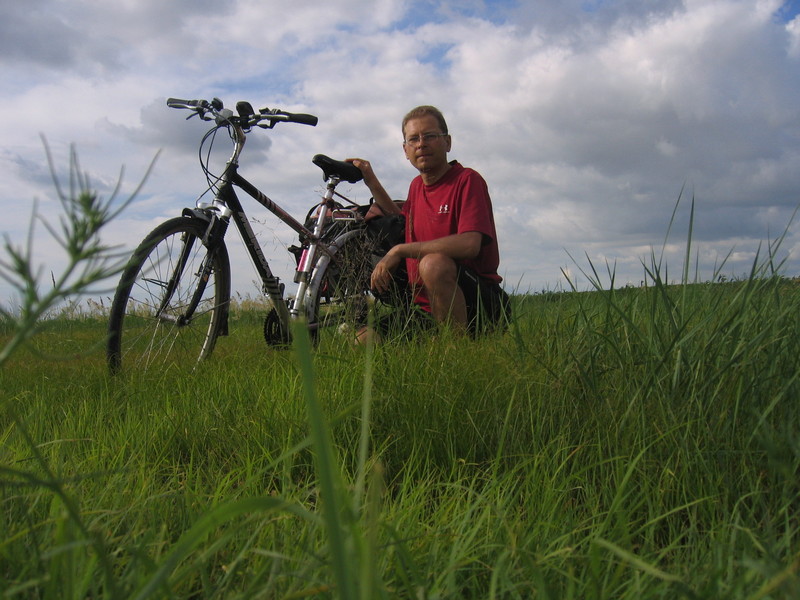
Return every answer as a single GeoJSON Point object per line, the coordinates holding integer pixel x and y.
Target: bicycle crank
{"type": "Point", "coordinates": [275, 334]}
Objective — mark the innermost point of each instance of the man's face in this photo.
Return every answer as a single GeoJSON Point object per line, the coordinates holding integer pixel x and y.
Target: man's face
{"type": "Point", "coordinates": [426, 155]}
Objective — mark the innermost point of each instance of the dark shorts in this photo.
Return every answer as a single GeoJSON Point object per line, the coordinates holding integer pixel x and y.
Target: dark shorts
{"type": "Point", "coordinates": [488, 309]}
{"type": "Point", "coordinates": [488, 305]}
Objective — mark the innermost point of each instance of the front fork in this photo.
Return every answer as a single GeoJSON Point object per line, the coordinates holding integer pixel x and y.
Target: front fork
{"type": "Point", "coordinates": [214, 234]}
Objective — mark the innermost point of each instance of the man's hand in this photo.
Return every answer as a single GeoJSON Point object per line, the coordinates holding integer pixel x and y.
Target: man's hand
{"type": "Point", "coordinates": [365, 168]}
{"type": "Point", "coordinates": [381, 278]}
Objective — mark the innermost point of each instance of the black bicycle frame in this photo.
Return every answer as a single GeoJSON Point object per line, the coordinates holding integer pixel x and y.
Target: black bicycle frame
{"type": "Point", "coordinates": [271, 283]}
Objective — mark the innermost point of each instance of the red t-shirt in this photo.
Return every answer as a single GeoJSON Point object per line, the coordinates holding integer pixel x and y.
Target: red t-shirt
{"type": "Point", "coordinates": [458, 203]}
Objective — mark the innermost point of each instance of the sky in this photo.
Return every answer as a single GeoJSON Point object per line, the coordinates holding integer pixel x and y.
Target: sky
{"type": "Point", "coordinates": [604, 128]}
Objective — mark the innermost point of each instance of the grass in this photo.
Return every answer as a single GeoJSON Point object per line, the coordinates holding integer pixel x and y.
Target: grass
{"type": "Point", "coordinates": [624, 443]}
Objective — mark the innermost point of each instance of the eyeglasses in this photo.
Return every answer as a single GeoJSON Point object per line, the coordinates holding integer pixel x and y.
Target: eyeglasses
{"type": "Point", "coordinates": [427, 138]}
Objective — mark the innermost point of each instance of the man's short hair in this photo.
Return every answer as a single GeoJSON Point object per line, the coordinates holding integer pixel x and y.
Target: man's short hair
{"type": "Point", "coordinates": [424, 111]}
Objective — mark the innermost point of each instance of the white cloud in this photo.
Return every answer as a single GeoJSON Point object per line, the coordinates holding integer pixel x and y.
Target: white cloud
{"type": "Point", "coordinates": [793, 29]}
{"type": "Point", "coordinates": [586, 119]}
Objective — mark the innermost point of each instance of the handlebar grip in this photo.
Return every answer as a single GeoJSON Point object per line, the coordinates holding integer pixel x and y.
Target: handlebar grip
{"type": "Point", "coordinates": [301, 118]}
{"type": "Point", "coordinates": [178, 103]}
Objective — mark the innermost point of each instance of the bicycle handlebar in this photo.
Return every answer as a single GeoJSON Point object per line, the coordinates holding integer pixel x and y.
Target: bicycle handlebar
{"type": "Point", "coordinates": [247, 118]}
{"type": "Point", "coordinates": [281, 115]}
{"type": "Point", "coordinates": [178, 103]}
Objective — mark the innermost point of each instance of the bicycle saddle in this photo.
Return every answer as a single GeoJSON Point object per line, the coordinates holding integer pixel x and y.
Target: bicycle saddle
{"type": "Point", "coordinates": [337, 168]}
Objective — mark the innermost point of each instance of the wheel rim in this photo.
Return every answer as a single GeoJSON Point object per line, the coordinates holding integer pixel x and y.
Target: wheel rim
{"type": "Point", "coordinates": [180, 329]}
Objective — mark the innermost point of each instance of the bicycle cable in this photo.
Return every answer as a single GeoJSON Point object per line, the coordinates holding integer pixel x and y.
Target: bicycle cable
{"type": "Point", "coordinates": [212, 180]}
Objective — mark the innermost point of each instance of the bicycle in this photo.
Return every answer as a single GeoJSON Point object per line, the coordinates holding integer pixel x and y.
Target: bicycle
{"type": "Point", "coordinates": [173, 298]}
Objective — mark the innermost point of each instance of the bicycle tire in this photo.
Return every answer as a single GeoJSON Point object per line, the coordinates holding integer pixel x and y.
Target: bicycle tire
{"type": "Point", "coordinates": [339, 293]}
{"type": "Point", "coordinates": [158, 319]}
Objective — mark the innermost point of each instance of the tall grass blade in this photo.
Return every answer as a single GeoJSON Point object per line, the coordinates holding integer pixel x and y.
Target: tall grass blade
{"type": "Point", "coordinates": [636, 562]}
{"type": "Point", "coordinates": [335, 511]}
{"type": "Point", "coordinates": [205, 525]}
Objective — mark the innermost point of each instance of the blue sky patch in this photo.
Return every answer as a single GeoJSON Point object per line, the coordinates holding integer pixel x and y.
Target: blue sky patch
{"type": "Point", "coordinates": [436, 55]}
{"type": "Point", "coordinates": [788, 11]}
{"type": "Point", "coordinates": [422, 12]}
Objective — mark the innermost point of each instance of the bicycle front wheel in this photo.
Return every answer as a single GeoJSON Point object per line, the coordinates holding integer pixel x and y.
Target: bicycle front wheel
{"type": "Point", "coordinates": [172, 299]}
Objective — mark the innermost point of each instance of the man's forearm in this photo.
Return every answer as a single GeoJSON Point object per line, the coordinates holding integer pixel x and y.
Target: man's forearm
{"type": "Point", "coordinates": [382, 197]}
{"type": "Point", "coordinates": [458, 247]}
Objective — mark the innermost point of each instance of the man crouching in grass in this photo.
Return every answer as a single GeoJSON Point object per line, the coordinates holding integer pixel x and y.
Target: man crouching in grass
{"type": "Point", "coordinates": [450, 247]}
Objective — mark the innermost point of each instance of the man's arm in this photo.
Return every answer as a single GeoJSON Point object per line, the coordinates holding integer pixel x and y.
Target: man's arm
{"type": "Point", "coordinates": [460, 246]}
{"type": "Point", "coordinates": [381, 196]}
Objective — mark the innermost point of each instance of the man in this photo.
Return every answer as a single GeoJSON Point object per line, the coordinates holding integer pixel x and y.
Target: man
{"type": "Point", "coordinates": [450, 244]}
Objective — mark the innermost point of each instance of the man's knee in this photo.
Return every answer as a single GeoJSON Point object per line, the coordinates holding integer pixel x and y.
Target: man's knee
{"type": "Point", "coordinates": [435, 268]}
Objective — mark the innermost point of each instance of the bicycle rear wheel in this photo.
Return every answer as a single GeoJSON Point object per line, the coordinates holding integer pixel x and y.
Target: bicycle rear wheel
{"type": "Point", "coordinates": [340, 290]}
{"type": "Point", "coordinates": [172, 299]}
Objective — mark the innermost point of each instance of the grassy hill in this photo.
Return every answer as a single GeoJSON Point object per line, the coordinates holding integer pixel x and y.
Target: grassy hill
{"type": "Point", "coordinates": [635, 443]}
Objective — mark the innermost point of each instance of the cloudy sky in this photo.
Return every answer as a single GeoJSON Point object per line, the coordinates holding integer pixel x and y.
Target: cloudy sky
{"type": "Point", "coordinates": [586, 117]}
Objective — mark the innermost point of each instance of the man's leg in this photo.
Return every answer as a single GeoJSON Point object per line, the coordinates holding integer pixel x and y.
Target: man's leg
{"type": "Point", "coordinates": [439, 274]}
{"type": "Point", "coordinates": [488, 307]}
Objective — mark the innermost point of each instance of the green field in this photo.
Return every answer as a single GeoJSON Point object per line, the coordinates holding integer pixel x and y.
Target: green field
{"type": "Point", "coordinates": [637, 443]}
